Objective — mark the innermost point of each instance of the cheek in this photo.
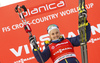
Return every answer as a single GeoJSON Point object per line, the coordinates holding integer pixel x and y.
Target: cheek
{"type": "Point", "coordinates": [50, 36]}
{"type": "Point", "coordinates": [58, 34]}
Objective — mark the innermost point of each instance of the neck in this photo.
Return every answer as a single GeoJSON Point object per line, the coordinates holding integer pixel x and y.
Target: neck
{"type": "Point", "coordinates": [57, 41]}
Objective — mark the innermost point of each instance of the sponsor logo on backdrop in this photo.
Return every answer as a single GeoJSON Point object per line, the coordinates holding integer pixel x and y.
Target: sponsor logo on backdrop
{"type": "Point", "coordinates": [22, 60]}
{"type": "Point", "coordinates": [44, 8]}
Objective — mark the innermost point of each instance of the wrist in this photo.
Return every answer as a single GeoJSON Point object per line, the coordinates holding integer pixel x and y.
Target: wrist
{"type": "Point", "coordinates": [36, 49]}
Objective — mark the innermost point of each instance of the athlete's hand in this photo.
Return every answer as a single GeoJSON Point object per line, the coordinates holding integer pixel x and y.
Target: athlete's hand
{"type": "Point", "coordinates": [84, 13]}
{"type": "Point", "coordinates": [33, 41]}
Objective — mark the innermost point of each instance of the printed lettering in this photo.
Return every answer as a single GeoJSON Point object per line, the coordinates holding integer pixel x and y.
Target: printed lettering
{"type": "Point", "coordinates": [95, 29]}
{"type": "Point", "coordinates": [6, 29]}
{"type": "Point", "coordinates": [15, 52]}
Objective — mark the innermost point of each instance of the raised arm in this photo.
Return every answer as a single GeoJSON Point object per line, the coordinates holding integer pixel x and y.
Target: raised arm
{"type": "Point", "coordinates": [45, 55]}
{"type": "Point", "coordinates": [75, 40]}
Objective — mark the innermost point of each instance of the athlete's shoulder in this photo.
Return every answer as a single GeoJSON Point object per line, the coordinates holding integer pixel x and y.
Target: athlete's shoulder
{"type": "Point", "coordinates": [47, 42]}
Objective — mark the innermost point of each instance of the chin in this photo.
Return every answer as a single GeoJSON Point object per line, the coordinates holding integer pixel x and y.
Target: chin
{"type": "Point", "coordinates": [56, 39]}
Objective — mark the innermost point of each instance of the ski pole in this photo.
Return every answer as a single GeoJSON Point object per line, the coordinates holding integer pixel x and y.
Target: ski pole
{"type": "Point", "coordinates": [85, 40]}
{"type": "Point", "coordinates": [28, 29]}
{"type": "Point", "coordinates": [20, 13]}
{"type": "Point", "coordinates": [82, 30]}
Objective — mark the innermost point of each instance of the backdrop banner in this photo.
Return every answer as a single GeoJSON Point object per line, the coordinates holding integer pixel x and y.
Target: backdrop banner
{"type": "Point", "coordinates": [14, 41]}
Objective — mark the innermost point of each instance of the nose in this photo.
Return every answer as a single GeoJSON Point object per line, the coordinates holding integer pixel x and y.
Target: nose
{"type": "Point", "coordinates": [55, 34]}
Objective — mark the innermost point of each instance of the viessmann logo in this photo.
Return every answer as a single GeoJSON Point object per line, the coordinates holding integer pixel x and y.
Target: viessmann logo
{"type": "Point", "coordinates": [43, 8]}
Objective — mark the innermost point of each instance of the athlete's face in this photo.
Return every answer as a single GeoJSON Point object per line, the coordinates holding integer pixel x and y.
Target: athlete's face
{"type": "Point", "coordinates": [54, 34]}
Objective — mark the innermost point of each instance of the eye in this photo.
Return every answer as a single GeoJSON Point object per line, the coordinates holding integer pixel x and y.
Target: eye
{"type": "Point", "coordinates": [56, 32]}
{"type": "Point", "coordinates": [52, 33]}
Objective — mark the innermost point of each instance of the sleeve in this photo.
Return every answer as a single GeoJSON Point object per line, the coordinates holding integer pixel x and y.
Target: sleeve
{"type": "Point", "coordinates": [75, 40]}
{"type": "Point", "coordinates": [45, 54]}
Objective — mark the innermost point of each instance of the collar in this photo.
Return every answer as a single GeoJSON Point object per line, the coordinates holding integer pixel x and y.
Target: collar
{"type": "Point", "coordinates": [58, 40]}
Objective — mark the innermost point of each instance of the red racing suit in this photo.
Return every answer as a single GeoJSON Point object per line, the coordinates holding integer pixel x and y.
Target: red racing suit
{"type": "Point", "coordinates": [62, 50]}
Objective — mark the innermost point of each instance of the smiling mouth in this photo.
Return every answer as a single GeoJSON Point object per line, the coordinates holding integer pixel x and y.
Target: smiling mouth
{"type": "Point", "coordinates": [56, 37]}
